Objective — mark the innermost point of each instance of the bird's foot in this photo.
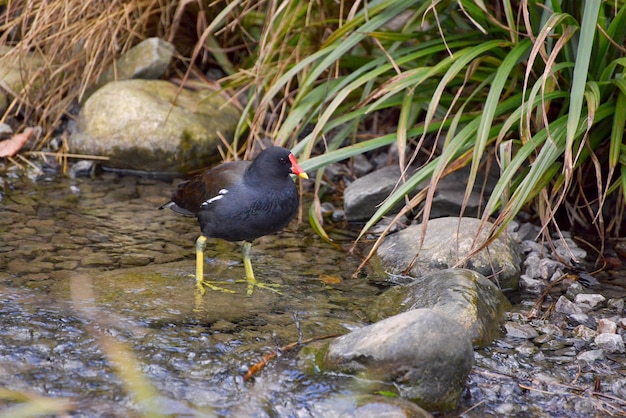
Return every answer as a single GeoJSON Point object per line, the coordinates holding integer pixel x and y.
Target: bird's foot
{"type": "Point", "coordinates": [203, 285]}
{"type": "Point", "coordinates": [273, 287]}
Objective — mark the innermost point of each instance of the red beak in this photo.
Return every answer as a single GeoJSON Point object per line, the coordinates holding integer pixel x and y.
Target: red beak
{"type": "Point", "coordinates": [295, 168]}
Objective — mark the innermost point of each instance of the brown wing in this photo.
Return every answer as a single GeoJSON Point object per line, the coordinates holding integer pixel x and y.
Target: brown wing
{"type": "Point", "coordinates": [191, 194]}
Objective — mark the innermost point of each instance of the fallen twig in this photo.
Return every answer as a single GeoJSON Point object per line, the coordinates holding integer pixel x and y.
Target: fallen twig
{"type": "Point", "coordinates": [260, 365]}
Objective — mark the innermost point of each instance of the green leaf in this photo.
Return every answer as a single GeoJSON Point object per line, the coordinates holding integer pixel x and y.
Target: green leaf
{"type": "Point", "coordinates": [583, 57]}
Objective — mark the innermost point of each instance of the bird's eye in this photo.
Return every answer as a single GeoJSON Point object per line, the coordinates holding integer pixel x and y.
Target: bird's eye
{"type": "Point", "coordinates": [283, 160]}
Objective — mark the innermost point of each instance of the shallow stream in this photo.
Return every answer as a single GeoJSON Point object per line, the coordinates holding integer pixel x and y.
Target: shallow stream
{"type": "Point", "coordinates": [99, 315]}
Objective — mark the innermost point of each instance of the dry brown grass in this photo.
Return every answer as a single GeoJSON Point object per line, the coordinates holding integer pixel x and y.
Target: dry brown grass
{"type": "Point", "coordinates": [77, 40]}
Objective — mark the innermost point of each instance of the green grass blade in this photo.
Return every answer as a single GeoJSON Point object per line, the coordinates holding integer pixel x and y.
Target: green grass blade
{"type": "Point", "coordinates": [579, 81]}
{"type": "Point", "coordinates": [617, 131]}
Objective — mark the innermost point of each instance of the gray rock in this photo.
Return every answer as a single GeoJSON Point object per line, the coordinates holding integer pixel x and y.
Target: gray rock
{"type": "Point", "coordinates": [606, 326]}
{"type": "Point", "coordinates": [531, 264]}
{"type": "Point", "coordinates": [516, 330]}
{"type": "Point", "coordinates": [531, 246]}
{"type": "Point", "coordinates": [550, 329]}
{"type": "Point", "coordinates": [5, 129]}
{"type": "Point", "coordinates": [616, 304]}
{"type": "Point", "coordinates": [526, 348]}
{"type": "Point", "coordinates": [382, 407]}
{"type": "Point", "coordinates": [541, 268]}
{"type": "Point", "coordinates": [427, 355]}
{"type": "Point", "coordinates": [151, 125]}
{"type": "Point", "coordinates": [567, 249]}
{"type": "Point", "coordinates": [16, 70]}
{"type": "Point", "coordinates": [82, 168]}
{"type": "Point", "coordinates": [463, 295]}
{"type": "Point", "coordinates": [530, 285]}
{"type": "Point", "coordinates": [528, 232]}
{"type": "Point", "coordinates": [446, 244]}
{"type": "Point", "coordinates": [588, 302]}
{"type": "Point", "coordinates": [612, 343]}
{"type": "Point", "coordinates": [361, 165]}
{"type": "Point", "coordinates": [557, 275]}
{"type": "Point", "coordinates": [573, 290]}
{"type": "Point", "coordinates": [363, 196]}
{"type": "Point", "coordinates": [450, 193]}
{"type": "Point", "coordinates": [591, 355]}
{"type": "Point", "coordinates": [564, 305]}
{"type": "Point", "coordinates": [584, 319]}
{"type": "Point", "coordinates": [147, 60]}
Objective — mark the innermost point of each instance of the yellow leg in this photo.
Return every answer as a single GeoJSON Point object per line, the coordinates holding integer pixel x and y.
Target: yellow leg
{"type": "Point", "coordinates": [247, 265]}
{"type": "Point", "coordinates": [200, 247]}
{"type": "Point", "coordinates": [200, 282]}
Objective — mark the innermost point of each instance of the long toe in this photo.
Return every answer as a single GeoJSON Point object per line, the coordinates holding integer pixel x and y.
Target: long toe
{"type": "Point", "coordinates": [273, 287]}
{"type": "Point", "coordinates": [202, 285]}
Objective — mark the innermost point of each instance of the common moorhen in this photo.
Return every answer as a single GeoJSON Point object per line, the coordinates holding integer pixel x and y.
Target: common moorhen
{"type": "Point", "coordinates": [240, 201]}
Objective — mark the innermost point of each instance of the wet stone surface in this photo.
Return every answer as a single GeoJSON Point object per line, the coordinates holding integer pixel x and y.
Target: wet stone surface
{"type": "Point", "coordinates": [91, 267]}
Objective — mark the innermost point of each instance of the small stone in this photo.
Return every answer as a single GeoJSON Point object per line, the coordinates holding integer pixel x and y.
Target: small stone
{"type": "Point", "coordinates": [574, 254]}
{"type": "Point", "coordinates": [550, 329]}
{"type": "Point", "coordinates": [5, 130]}
{"type": "Point", "coordinates": [532, 266]}
{"type": "Point", "coordinates": [361, 165]}
{"type": "Point", "coordinates": [573, 290]}
{"type": "Point", "coordinates": [613, 343]}
{"type": "Point", "coordinates": [566, 352]}
{"type": "Point", "coordinates": [591, 355]}
{"type": "Point", "coordinates": [530, 285]}
{"type": "Point", "coordinates": [66, 265]}
{"type": "Point", "coordinates": [588, 280]}
{"type": "Point", "coordinates": [567, 307]}
{"type": "Point", "coordinates": [616, 304]}
{"type": "Point", "coordinates": [327, 208]}
{"type": "Point", "coordinates": [96, 259]}
{"type": "Point", "coordinates": [622, 323]}
{"type": "Point", "coordinates": [544, 338]}
{"type": "Point", "coordinates": [338, 215]}
{"type": "Point", "coordinates": [554, 345]}
{"type": "Point", "coordinates": [516, 330]}
{"type": "Point", "coordinates": [526, 348]}
{"type": "Point", "coordinates": [583, 319]}
{"type": "Point", "coordinates": [507, 409]}
{"type": "Point", "coordinates": [82, 168]}
{"type": "Point", "coordinates": [21, 266]}
{"type": "Point", "coordinates": [584, 332]}
{"type": "Point", "coordinates": [529, 246]}
{"type": "Point", "coordinates": [588, 302]}
{"type": "Point", "coordinates": [528, 232]}
{"type": "Point", "coordinates": [557, 275]}
{"type": "Point", "coordinates": [606, 326]}
{"type": "Point", "coordinates": [548, 268]}
{"type": "Point", "coordinates": [130, 259]}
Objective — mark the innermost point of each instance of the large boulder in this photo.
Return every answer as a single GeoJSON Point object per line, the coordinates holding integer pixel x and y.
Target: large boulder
{"type": "Point", "coordinates": [448, 241]}
{"type": "Point", "coordinates": [425, 354]}
{"type": "Point", "coordinates": [153, 125]}
{"type": "Point", "coordinates": [463, 295]}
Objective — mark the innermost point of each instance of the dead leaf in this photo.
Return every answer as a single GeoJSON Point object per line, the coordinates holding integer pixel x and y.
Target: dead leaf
{"type": "Point", "coordinates": [328, 279]}
{"type": "Point", "coordinates": [10, 147]}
